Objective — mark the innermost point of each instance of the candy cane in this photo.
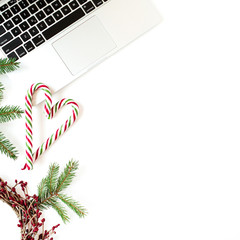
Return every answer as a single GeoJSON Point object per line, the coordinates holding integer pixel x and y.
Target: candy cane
{"type": "Point", "coordinates": [50, 111]}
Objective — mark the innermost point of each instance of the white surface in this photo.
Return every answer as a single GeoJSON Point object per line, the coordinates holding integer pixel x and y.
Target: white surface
{"type": "Point", "coordinates": [159, 134]}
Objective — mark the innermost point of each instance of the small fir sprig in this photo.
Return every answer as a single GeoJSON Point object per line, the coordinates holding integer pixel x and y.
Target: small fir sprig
{"type": "Point", "coordinates": [51, 191]}
{"type": "Point", "coordinates": [7, 148]}
{"type": "Point", "coordinates": [8, 65]}
{"type": "Point", "coordinates": [8, 113]}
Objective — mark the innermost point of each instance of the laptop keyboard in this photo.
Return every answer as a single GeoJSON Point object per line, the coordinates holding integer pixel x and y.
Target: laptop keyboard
{"type": "Point", "coordinates": [26, 24]}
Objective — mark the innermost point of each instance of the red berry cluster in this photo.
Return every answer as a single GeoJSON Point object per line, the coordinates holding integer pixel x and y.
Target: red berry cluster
{"type": "Point", "coordinates": [26, 207]}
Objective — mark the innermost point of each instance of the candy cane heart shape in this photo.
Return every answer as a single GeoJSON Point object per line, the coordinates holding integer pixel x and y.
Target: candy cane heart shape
{"type": "Point", "coordinates": [50, 110]}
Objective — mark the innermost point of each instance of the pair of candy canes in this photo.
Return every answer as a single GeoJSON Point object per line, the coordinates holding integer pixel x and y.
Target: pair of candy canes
{"type": "Point", "coordinates": [50, 111]}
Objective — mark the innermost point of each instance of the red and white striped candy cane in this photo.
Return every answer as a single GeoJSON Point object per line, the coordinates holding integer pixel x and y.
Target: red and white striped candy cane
{"type": "Point", "coordinates": [50, 112]}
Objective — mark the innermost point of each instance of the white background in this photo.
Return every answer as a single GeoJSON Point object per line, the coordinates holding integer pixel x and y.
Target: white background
{"type": "Point", "coordinates": [158, 137]}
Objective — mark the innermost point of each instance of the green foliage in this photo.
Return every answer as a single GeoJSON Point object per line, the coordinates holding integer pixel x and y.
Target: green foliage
{"type": "Point", "coordinates": [52, 177]}
{"type": "Point", "coordinates": [7, 148]}
{"type": "Point", "coordinates": [8, 113]}
{"type": "Point", "coordinates": [67, 175]}
{"type": "Point", "coordinates": [8, 65]}
{"type": "Point", "coordinates": [59, 209]}
{"type": "Point", "coordinates": [71, 203]}
{"type": "Point", "coordinates": [1, 92]}
{"type": "Point", "coordinates": [50, 191]}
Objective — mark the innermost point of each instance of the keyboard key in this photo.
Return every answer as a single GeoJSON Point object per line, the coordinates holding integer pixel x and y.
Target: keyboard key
{"type": "Point", "coordinates": [73, 4]}
{"type": "Point", "coordinates": [25, 14]}
{"type": "Point", "coordinates": [48, 10]}
{"type": "Point", "coordinates": [3, 7]}
{"type": "Point", "coordinates": [17, 19]}
{"type": "Point", "coordinates": [97, 2]}
{"type": "Point", "coordinates": [58, 15]}
{"type": "Point", "coordinates": [15, 9]}
{"type": "Point", "coordinates": [29, 46]}
{"type": "Point", "coordinates": [62, 24]}
{"type": "Point", "coordinates": [41, 4]}
{"type": "Point", "coordinates": [15, 31]}
{"type": "Point", "coordinates": [11, 2]}
{"type": "Point", "coordinates": [66, 10]}
{"type": "Point", "coordinates": [49, 1]}
{"type": "Point", "coordinates": [7, 14]}
{"type": "Point", "coordinates": [8, 25]}
{"type": "Point", "coordinates": [21, 52]}
{"type": "Point", "coordinates": [24, 26]}
{"type": "Point", "coordinates": [40, 15]}
{"type": "Point", "coordinates": [82, 1]}
{"type": "Point", "coordinates": [64, 1]}
{"type": "Point", "coordinates": [5, 38]}
{"type": "Point", "coordinates": [2, 30]}
{"type": "Point", "coordinates": [33, 31]}
{"type": "Point", "coordinates": [1, 19]}
{"type": "Point", "coordinates": [31, 1]}
{"type": "Point", "coordinates": [56, 5]}
{"type": "Point", "coordinates": [25, 36]}
{"type": "Point", "coordinates": [12, 45]}
{"type": "Point", "coordinates": [13, 55]}
{"type": "Point", "coordinates": [23, 4]}
{"type": "Point", "coordinates": [41, 26]}
{"type": "Point", "coordinates": [32, 20]}
{"type": "Point", "coordinates": [38, 40]}
{"type": "Point", "coordinates": [50, 20]}
{"type": "Point", "coordinates": [88, 7]}
{"type": "Point", "coordinates": [33, 9]}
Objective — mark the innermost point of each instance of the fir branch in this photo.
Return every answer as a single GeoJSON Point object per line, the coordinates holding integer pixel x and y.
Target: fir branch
{"type": "Point", "coordinates": [42, 190]}
{"type": "Point", "coordinates": [51, 187]}
{"type": "Point", "coordinates": [74, 205]}
{"type": "Point", "coordinates": [8, 113]}
{"type": "Point", "coordinates": [8, 65]}
{"type": "Point", "coordinates": [67, 175]}
{"type": "Point", "coordinates": [52, 177]}
{"type": "Point", "coordinates": [60, 210]}
{"type": "Point", "coordinates": [7, 148]}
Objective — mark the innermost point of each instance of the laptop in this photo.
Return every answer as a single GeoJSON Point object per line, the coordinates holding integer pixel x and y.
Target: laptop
{"type": "Point", "coordinates": [56, 41]}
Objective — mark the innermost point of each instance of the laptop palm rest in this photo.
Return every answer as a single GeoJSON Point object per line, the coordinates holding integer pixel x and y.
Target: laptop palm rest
{"type": "Point", "coordinates": [84, 45]}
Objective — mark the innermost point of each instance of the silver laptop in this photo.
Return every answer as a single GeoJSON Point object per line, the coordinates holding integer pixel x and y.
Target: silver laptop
{"type": "Point", "coordinates": [56, 41]}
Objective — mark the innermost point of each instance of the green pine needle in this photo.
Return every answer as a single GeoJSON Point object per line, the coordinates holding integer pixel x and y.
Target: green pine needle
{"type": "Point", "coordinates": [1, 92]}
{"type": "Point", "coordinates": [8, 65]}
{"type": "Point", "coordinates": [59, 209]}
{"type": "Point", "coordinates": [8, 113]}
{"type": "Point", "coordinates": [7, 148]}
{"type": "Point", "coordinates": [51, 187]}
{"type": "Point", "coordinates": [52, 177]}
{"type": "Point", "coordinates": [42, 190]}
{"type": "Point", "coordinates": [67, 175]}
{"type": "Point", "coordinates": [74, 205]}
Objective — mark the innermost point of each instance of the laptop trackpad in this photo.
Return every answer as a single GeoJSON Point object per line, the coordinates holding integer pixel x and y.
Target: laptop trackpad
{"type": "Point", "coordinates": [84, 45]}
